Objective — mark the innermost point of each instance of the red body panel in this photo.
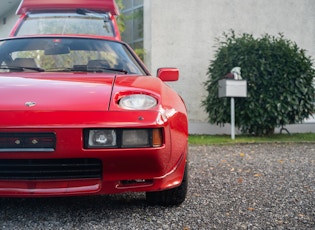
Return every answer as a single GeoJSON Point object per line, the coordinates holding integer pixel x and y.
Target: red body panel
{"type": "Point", "coordinates": [72, 95]}
{"type": "Point", "coordinates": [66, 103]}
{"type": "Point", "coordinates": [35, 5]}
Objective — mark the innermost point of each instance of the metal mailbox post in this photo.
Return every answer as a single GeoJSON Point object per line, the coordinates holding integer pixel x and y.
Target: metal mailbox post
{"type": "Point", "coordinates": [232, 88]}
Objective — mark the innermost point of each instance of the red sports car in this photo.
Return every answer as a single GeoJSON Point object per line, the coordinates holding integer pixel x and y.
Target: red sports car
{"type": "Point", "coordinates": [96, 17]}
{"type": "Point", "coordinates": [81, 115]}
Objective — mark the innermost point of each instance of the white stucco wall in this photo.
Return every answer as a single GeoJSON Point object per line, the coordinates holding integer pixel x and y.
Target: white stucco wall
{"type": "Point", "coordinates": [181, 33]}
{"type": "Point", "coordinates": [10, 19]}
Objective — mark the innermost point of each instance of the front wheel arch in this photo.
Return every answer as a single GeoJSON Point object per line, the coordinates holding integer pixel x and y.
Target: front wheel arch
{"type": "Point", "coordinates": [170, 197]}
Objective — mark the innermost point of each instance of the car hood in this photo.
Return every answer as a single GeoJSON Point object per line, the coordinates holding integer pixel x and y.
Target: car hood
{"type": "Point", "coordinates": [61, 92]}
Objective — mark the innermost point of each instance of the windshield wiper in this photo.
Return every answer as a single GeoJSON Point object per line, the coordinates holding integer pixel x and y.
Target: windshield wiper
{"type": "Point", "coordinates": [105, 16]}
{"type": "Point", "coordinates": [22, 68]}
{"type": "Point", "coordinates": [101, 69]}
{"type": "Point", "coordinates": [85, 69]}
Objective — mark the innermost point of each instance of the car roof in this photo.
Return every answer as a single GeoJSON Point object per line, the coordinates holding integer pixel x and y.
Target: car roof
{"type": "Point", "coordinates": [98, 5]}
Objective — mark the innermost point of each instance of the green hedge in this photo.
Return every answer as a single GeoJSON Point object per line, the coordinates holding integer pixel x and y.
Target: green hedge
{"type": "Point", "coordinates": [279, 77]}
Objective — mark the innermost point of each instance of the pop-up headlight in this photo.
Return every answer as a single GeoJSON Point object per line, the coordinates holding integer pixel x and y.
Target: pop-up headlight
{"type": "Point", "coordinates": [137, 102]}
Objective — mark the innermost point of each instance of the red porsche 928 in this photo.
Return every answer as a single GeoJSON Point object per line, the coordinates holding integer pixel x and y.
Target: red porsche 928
{"type": "Point", "coordinates": [81, 115]}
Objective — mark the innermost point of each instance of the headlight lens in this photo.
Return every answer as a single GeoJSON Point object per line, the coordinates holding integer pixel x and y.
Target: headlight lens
{"type": "Point", "coordinates": [102, 138]}
{"type": "Point", "coordinates": [135, 137]}
{"type": "Point", "coordinates": [122, 138]}
{"type": "Point", "coordinates": [137, 102]}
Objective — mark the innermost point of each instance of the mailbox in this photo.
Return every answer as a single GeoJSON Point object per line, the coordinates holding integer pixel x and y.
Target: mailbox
{"type": "Point", "coordinates": [232, 88]}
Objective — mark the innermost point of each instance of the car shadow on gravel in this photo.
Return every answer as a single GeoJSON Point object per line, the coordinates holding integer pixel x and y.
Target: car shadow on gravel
{"type": "Point", "coordinates": [118, 201]}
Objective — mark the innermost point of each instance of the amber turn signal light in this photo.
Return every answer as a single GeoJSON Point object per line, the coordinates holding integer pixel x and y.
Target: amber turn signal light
{"type": "Point", "coordinates": [157, 139]}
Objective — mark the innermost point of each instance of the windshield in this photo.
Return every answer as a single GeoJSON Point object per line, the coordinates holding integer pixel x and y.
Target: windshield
{"type": "Point", "coordinates": [67, 54]}
{"type": "Point", "coordinates": [67, 23]}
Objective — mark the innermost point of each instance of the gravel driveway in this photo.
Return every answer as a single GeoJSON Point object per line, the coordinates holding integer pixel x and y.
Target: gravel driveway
{"type": "Point", "coordinates": [252, 186]}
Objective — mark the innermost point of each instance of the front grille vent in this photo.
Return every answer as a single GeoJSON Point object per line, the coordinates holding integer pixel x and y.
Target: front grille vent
{"type": "Point", "coordinates": [46, 169]}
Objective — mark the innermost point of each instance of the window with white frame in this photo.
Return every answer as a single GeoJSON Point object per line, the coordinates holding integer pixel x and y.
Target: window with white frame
{"type": "Point", "coordinates": [133, 12]}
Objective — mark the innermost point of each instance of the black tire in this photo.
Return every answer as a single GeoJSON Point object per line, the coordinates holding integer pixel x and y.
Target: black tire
{"type": "Point", "coordinates": [170, 197]}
